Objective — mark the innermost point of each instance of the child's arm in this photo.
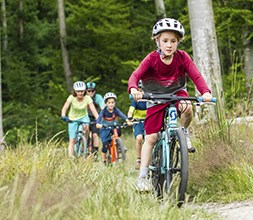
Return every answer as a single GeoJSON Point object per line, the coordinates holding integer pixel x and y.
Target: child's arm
{"type": "Point", "coordinates": [65, 108]}
{"type": "Point", "coordinates": [123, 116]}
{"type": "Point", "coordinates": [99, 119]}
{"type": "Point", "coordinates": [131, 110]}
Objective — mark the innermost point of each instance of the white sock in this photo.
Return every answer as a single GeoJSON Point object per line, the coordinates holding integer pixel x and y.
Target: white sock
{"type": "Point", "coordinates": [143, 172]}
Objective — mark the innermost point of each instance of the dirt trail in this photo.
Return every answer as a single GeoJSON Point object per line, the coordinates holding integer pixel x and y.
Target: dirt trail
{"type": "Point", "coordinates": [232, 211]}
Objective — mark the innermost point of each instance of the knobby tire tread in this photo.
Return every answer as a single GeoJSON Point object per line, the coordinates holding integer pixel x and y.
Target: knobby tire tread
{"type": "Point", "coordinates": [158, 179]}
{"type": "Point", "coordinates": [179, 160]}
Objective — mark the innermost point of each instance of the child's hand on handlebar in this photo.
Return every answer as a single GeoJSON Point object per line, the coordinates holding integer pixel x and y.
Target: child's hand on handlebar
{"type": "Point", "coordinates": [136, 94]}
{"type": "Point", "coordinates": [207, 97]}
{"type": "Point", "coordinates": [99, 126]}
{"type": "Point", "coordinates": [65, 118]}
{"type": "Point", "coordinates": [129, 122]}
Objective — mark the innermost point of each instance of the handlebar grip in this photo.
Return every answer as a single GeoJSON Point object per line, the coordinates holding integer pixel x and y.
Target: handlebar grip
{"type": "Point", "coordinates": [144, 96]}
{"type": "Point", "coordinates": [201, 99]}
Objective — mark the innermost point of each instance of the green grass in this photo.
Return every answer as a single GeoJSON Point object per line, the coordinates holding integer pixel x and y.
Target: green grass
{"type": "Point", "coordinates": [42, 182]}
{"type": "Point", "coordinates": [222, 169]}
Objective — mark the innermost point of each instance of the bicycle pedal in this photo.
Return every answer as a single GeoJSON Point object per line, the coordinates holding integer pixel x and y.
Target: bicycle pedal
{"type": "Point", "coordinates": [191, 150]}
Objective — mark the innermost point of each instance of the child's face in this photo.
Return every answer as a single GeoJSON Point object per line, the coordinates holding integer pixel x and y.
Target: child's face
{"type": "Point", "coordinates": [79, 94]}
{"type": "Point", "coordinates": [168, 43]}
{"type": "Point", "coordinates": [110, 103]}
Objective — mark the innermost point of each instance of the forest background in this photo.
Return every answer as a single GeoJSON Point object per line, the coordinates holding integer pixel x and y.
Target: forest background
{"type": "Point", "coordinates": [106, 40]}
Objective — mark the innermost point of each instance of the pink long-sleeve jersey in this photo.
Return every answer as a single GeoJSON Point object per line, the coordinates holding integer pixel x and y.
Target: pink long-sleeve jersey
{"type": "Point", "coordinates": [158, 77]}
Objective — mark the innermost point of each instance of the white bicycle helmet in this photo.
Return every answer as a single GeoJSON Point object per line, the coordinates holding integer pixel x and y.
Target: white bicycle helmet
{"type": "Point", "coordinates": [168, 24]}
{"type": "Point", "coordinates": [79, 86]}
{"type": "Point", "coordinates": [109, 95]}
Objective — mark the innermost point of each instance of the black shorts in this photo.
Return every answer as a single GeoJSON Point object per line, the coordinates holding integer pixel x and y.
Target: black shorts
{"type": "Point", "coordinates": [93, 128]}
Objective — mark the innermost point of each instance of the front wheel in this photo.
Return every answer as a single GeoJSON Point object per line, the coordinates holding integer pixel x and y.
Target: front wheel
{"type": "Point", "coordinates": [177, 174]}
{"type": "Point", "coordinates": [80, 146]}
{"type": "Point", "coordinates": [157, 176]}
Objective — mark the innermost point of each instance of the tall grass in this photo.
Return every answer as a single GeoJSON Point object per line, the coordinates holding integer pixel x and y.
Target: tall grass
{"type": "Point", "coordinates": [41, 182]}
{"type": "Point", "coordinates": [222, 168]}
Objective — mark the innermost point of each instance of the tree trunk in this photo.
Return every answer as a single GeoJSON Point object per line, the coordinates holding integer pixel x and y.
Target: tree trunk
{"type": "Point", "coordinates": [4, 23]}
{"type": "Point", "coordinates": [248, 65]}
{"type": "Point", "coordinates": [160, 9]}
{"type": "Point", "coordinates": [204, 42]}
{"type": "Point", "coordinates": [21, 22]}
{"type": "Point", "coordinates": [63, 37]}
{"type": "Point", "coordinates": [1, 111]}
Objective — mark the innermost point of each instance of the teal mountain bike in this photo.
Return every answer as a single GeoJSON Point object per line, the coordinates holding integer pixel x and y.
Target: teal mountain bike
{"type": "Point", "coordinates": [81, 146]}
{"type": "Point", "coordinates": [169, 164]}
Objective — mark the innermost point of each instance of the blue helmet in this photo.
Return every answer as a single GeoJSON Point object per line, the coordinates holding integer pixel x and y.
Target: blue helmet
{"type": "Point", "coordinates": [91, 85]}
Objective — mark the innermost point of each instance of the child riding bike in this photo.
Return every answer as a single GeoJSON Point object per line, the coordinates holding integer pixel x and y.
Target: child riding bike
{"type": "Point", "coordinates": [108, 116]}
{"type": "Point", "coordinates": [164, 71]}
{"type": "Point", "coordinates": [99, 105]}
{"type": "Point", "coordinates": [78, 102]}
{"type": "Point", "coordinates": [137, 111]}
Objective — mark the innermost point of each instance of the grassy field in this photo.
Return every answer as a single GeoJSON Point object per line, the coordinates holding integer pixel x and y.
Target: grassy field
{"type": "Point", "coordinates": [41, 182]}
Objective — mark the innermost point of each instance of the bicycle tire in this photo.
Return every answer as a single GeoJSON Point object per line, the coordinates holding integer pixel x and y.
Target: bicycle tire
{"type": "Point", "coordinates": [89, 146]}
{"type": "Point", "coordinates": [177, 175]}
{"type": "Point", "coordinates": [80, 146]}
{"type": "Point", "coordinates": [121, 150]}
{"type": "Point", "coordinates": [158, 178]}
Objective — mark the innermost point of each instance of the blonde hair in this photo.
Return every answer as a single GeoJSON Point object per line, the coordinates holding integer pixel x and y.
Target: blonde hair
{"type": "Point", "coordinates": [176, 34]}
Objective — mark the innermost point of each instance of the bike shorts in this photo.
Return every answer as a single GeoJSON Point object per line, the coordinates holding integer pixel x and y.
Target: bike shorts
{"type": "Point", "coordinates": [139, 129]}
{"type": "Point", "coordinates": [105, 135]}
{"type": "Point", "coordinates": [154, 118]}
{"type": "Point", "coordinates": [93, 128]}
{"type": "Point", "coordinates": [72, 126]}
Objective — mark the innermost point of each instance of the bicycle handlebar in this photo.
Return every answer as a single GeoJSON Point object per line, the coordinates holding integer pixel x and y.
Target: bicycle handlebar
{"type": "Point", "coordinates": [137, 120]}
{"type": "Point", "coordinates": [170, 98]}
{"type": "Point", "coordinates": [115, 125]}
{"type": "Point", "coordinates": [79, 122]}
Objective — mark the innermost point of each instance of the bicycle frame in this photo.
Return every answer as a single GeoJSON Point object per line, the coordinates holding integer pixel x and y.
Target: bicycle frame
{"type": "Point", "coordinates": [80, 140]}
{"type": "Point", "coordinates": [170, 126]}
{"type": "Point", "coordinates": [116, 145]}
{"type": "Point", "coordinates": [165, 143]}
{"type": "Point", "coordinates": [113, 146]}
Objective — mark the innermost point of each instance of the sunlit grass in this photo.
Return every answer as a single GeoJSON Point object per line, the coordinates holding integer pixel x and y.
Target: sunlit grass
{"type": "Point", "coordinates": [42, 182]}
{"type": "Point", "coordinates": [222, 169]}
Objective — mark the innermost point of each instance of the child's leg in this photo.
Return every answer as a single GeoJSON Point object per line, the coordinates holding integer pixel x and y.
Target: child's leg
{"type": "Point", "coordinates": [104, 151]}
{"type": "Point", "coordinates": [104, 157]}
{"type": "Point", "coordinates": [71, 147]}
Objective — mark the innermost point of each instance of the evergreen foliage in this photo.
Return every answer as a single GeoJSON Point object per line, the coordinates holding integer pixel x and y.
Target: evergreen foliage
{"type": "Point", "coordinates": [106, 41]}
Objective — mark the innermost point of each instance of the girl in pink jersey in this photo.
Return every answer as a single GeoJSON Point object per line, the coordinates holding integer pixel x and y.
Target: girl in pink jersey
{"type": "Point", "coordinates": [164, 71]}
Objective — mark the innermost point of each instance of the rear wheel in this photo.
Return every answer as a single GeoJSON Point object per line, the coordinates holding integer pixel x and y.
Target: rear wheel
{"type": "Point", "coordinates": [177, 175]}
